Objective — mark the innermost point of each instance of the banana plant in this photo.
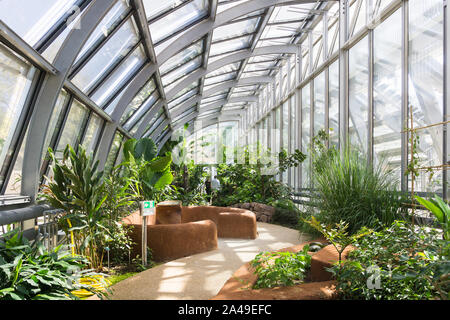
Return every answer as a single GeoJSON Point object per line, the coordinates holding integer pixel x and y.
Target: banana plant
{"type": "Point", "coordinates": [148, 173]}
{"type": "Point", "coordinates": [440, 209]}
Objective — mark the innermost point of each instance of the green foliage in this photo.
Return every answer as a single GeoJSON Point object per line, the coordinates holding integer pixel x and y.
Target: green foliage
{"type": "Point", "coordinates": [254, 180]}
{"type": "Point", "coordinates": [29, 272]}
{"type": "Point", "coordinates": [440, 209]}
{"type": "Point", "coordinates": [286, 213]}
{"type": "Point", "coordinates": [338, 235]}
{"type": "Point", "coordinates": [147, 173]}
{"type": "Point", "coordinates": [189, 185]}
{"type": "Point", "coordinates": [281, 268]}
{"type": "Point", "coordinates": [78, 189]}
{"type": "Point", "coordinates": [348, 188]}
{"type": "Point", "coordinates": [411, 262]}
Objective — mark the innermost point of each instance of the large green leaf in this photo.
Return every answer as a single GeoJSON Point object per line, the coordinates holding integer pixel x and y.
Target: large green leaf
{"type": "Point", "coordinates": [161, 163]}
{"type": "Point", "coordinates": [432, 207]}
{"type": "Point", "coordinates": [145, 148]}
{"type": "Point", "coordinates": [164, 179]}
{"type": "Point", "coordinates": [129, 147]}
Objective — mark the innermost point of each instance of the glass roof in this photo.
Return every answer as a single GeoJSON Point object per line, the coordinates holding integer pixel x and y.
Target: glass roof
{"type": "Point", "coordinates": [192, 34]}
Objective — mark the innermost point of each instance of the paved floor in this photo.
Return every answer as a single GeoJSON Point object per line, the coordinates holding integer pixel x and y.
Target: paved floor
{"type": "Point", "coordinates": [201, 276]}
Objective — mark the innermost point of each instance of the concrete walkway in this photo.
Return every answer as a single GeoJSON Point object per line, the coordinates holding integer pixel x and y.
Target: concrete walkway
{"type": "Point", "coordinates": [201, 276]}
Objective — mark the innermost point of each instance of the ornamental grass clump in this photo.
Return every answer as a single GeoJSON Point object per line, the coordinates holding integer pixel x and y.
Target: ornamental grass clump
{"type": "Point", "coordinates": [350, 189]}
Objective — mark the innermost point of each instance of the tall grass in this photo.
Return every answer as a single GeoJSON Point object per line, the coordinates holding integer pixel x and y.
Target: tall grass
{"type": "Point", "coordinates": [352, 190]}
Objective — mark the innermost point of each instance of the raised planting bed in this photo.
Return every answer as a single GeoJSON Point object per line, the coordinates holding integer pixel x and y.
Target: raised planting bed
{"type": "Point", "coordinates": [318, 284]}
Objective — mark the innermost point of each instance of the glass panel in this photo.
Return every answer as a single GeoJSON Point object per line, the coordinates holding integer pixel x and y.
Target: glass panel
{"type": "Point", "coordinates": [184, 114]}
{"type": "Point", "coordinates": [235, 29]}
{"type": "Point", "coordinates": [319, 103]}
{"type": "Point", "coordinates": [388, 93]}
{"type": "Point", "coordinates": [113, 152]}
{"type": "Point", "coordinates": [226, 69]}
{"type": "Point", "coordinates": [55, 123]}
{"type": "Point", "coordinates": [52, 50]}
{"type": "Point", "coordinates": [333, 110]}
{"type": "Point", "coordinates": [175, 102]}
{"type": "Point", "coordinates": [179, 19]}
{"type": "Point", "coordinates": [358, 13]}
{"type": "Point", "coordinates": [230, 45]}
{"type": "Point", "coordinates": [359, 95]}
{"type": "Point", "coordinates": [112, 52]}
{"type": "Point", "coordinates": [142, 110]}
{"type": "Point", "coordinates": [120, 76]}
{"type": "Point", "coordinates": [157, 8]}
{"type": "Point", "coordinates": [306, 135]}
{"type": "Point", "coordinates": [182, 57]}
{"type": "Point", "coordinates": [72, 127]}
{"type": "Point", "coordinates": [93, 132]}
{"type": "Point", "coordinates": [151, 122]}
{"type": "Point", "coordinates": [16, 78]}
{"type": "Point", "coordinates": [426, 85]}
{"type": "Point", "coordinates": [219, 79]}
{"type": "Point", "coordinates": [33, 20]}
{"type": "Point", "coordinates": [181, 71]}
{"type": "Point", "coordinates": [143, 94]}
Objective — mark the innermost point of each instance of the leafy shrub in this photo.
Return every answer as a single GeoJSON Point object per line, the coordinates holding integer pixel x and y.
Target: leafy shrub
{"type": "Point", "coordinates": [78, 189]}
{"type": "Point", "coordinates": [254, 181]}
{"type": "Point", "coordinates": [29, 272]}
{"type": "Point", "coordinates": [281, 268]}
{"type": "Point", "coordinates": [409, 262]}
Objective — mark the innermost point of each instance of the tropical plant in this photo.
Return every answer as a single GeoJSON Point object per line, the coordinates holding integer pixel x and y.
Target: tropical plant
{"type": "Point", "coordinates": [338, 235]}
{"type": "Point", "coordinates": [348, 188]}
{"type": "Point", "coordinates": [29, 272]}
{"type": "Point", "coordinates": [148, 173]}
{"type": "Point", "coordinates": [254, 179]}
{"type": "Point", "coordinates": [400, 262]}
{"type": "Point", "coordinates": [440, 209]}
{"type": "Point", "coordinates": [78, 189]}
{"type": "Point", "coordinates": [281, 268]}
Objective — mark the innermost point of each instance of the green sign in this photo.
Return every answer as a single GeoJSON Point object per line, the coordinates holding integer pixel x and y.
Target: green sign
{"type": "Point", "coordinates": [148, 208]}
{"type": "Point", "coordinates": [149, 204]}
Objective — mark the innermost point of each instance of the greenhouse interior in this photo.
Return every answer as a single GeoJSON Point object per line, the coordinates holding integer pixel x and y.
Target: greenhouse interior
{"type": "Point", "coordinates": [273, 150]}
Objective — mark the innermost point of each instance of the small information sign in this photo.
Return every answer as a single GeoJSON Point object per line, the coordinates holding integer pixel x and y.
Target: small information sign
{"type": "Point", "coordinates": [147, 208]}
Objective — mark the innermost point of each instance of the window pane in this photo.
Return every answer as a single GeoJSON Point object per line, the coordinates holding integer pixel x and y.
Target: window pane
{"type": "Point", "coordinates": [15, 82]}
{"type": "Point", "coordinates": [306, 135]}
{"type": "Point", "coordinates": [112, 52]}
{"type": "Point", "coordinates": [319, 103]}
{"type": "Point", "coordinates": [113, 152]}
{"type": "Point", "coordinates": [359, 95]}
{"type": "Point", "coordinates": [426, 84]}
{"type": "Point", "coordinates": [73, 126]}
{"type": "Point", "coordinates": [106, 26]}
{"type": "Point", "coordinates": [143, 94]}
{"type": "Point", "coordinates": [140, 114]}
{"type": "Point", "coordinates": [333, 111]}
{"type": "Point", "coordinates": [179, 19]}
{"type": "Point", "coordinates": [388, 93]}
{"type": "Point", "coordinates": [33, 20]}
{"type": "Point", "coordinates": [156, 8]}
{"type": "Point", "coordinates": [120, 76]}
{"type": "Point", "coordinates": [181, 58]}
{"type": "Point", "coordinates": [92, 135]}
